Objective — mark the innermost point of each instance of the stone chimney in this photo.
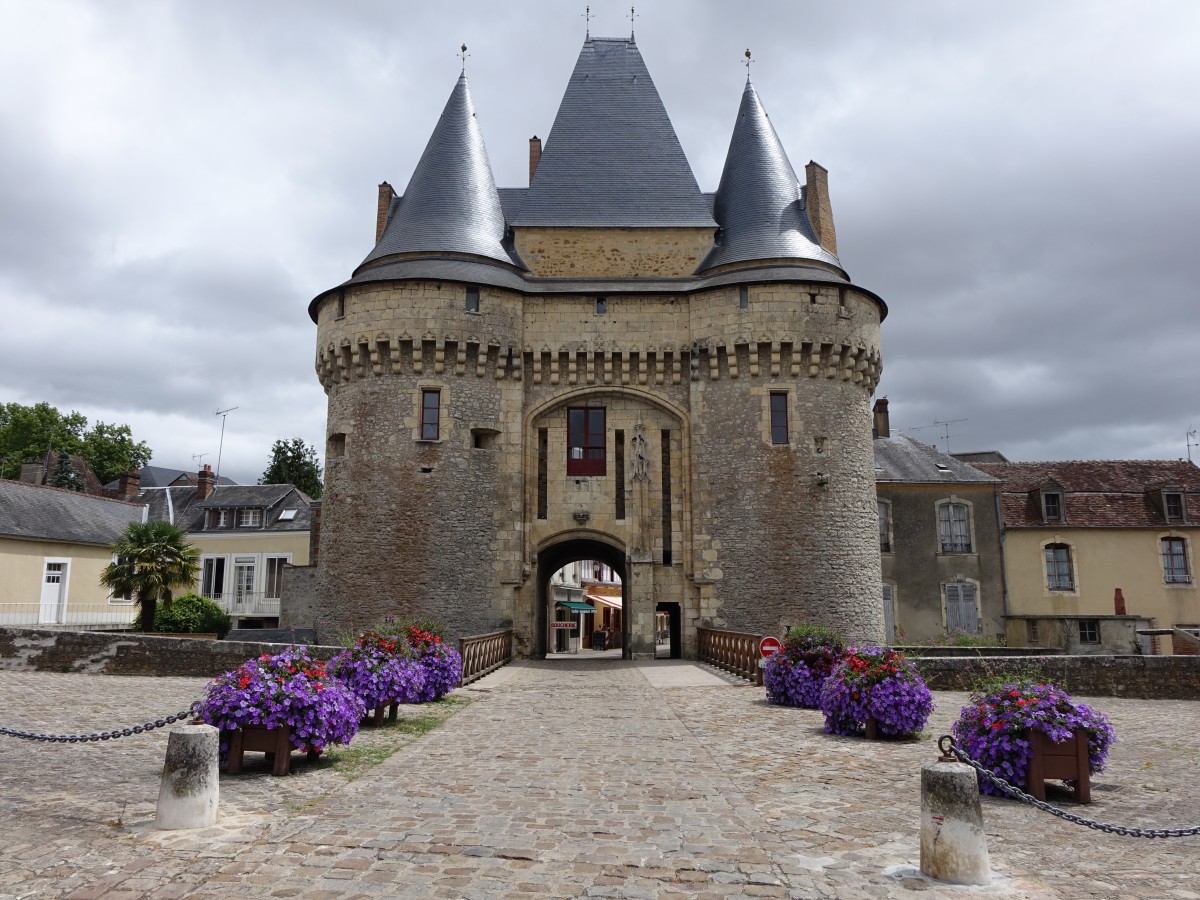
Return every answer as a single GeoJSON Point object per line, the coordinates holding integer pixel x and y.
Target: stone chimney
{"type": "Point", "coordinates": [535, 155]}
{"type": "Point", "coordinates": [1119, 602]}
{"type": "Point", "coordinates": [881, 426]}
{"type": "Point", "coordinates": [33, 473]}
{"type": "Point", "coordinates": [205, 482]}
{"type": "Point", "coordinates": [386, 195]}
{"type": "Point", "coordinates": [816, 201]}
{"type": "Point", "coordinates": [128, 484]}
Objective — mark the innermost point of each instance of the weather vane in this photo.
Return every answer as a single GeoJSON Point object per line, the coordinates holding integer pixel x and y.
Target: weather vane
{"type": "Point", "coordinates": [587, 28]}
{"type": "Point", "coordinates": [463, 54]}
{"type": "Point", "coordinates": [632, 16]}
{"type": "Point", "coordinates": [749, 59]}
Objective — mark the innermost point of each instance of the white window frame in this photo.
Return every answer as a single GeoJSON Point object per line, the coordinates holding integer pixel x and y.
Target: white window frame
{"type": "Point", "coordinates": [1072, 568]}
{"type": "Point", "coordinates": [267, 558]}
{"type": "Point", "coordinates": [946, 537]}
{"type": "Point", "coordinates": [207, 558]}
{"type": "Point", "coordinates": [1175, 580]}
{"type": "Point", "coordinates": [250, 518]}
{"type": "Point", "coordinates": [113, 598]}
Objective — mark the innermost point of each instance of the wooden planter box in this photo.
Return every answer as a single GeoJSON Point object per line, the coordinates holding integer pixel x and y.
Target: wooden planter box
{"type": "Point", "coordinates": [276, 743]}
{"type": "Point", "coordinates": [376, 716]}
{"type": "Point", "coordinates": [1067, 761]}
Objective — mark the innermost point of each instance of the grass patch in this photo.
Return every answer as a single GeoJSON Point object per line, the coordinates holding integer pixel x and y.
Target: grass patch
{"type": "Point", "coordinates": [374, 745]}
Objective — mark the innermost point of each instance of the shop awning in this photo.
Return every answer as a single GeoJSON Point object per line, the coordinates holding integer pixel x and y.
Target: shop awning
{"type": "Point", "coordinates": [614, 602]}
{"type": "Point", "coordinates": [576, 606]}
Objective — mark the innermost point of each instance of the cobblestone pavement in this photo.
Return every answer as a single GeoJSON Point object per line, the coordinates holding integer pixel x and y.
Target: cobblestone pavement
{"type": "Point", "coordinates": [564, 779]}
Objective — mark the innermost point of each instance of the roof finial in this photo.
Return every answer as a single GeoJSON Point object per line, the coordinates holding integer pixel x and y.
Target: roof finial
{"type": "Point", "coordinates": [463, 54]}
{"type": "Point", "coordinates": [749, 59]}
{"type": "Point", "coordinates": [632, 16]}
{"type": "Point", "coordinates": [587, 16]}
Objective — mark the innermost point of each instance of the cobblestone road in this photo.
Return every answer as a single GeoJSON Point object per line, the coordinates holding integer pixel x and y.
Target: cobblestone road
{"type": "Point", "coordinates": [566, 779]}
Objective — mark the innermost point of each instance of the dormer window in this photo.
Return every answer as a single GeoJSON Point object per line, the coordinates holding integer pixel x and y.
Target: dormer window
{"type": "Point", "coordinates": [250, 518]}
{"type": "Point", "coordinates": [1174, 507]}
{"type": "Point", "coordinates": [1052, 506]}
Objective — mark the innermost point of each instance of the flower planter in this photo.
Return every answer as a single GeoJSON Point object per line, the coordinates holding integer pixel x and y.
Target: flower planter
{"type": "Point", "coordinates": [1067, 761]}
{"type": "Point", "coordinates": [376, 715]}
{"type": "Point", "coordinates": [274, 742]}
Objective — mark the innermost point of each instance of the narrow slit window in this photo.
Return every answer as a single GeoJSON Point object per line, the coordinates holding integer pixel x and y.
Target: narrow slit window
{"type": "Point", "coordinates": [472, 298]}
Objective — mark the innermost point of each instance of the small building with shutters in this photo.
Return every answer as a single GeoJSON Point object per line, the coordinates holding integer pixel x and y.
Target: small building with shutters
{"type": "Point", "coordinates": [939, 542]}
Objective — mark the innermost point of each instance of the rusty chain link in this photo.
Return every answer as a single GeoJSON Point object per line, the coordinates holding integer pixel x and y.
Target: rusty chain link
{"type": "Point", "coordinates": [947, 745]}
{"type": "Point", "coordinates": [96, 736]}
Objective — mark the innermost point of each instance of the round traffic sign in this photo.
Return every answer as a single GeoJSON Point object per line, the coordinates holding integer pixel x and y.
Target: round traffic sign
{"type": "Point", "coordinates": [769, 646]}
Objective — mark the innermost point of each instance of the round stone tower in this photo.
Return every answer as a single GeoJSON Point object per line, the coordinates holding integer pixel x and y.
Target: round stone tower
{"type": "Point", "coordinates": [610, 365]}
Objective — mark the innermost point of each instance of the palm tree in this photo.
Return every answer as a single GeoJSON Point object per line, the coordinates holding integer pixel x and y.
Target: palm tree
{"type": "Point", "coordinates": [152, 558]}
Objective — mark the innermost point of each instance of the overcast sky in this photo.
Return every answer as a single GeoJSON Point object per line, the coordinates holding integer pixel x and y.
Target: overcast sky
{"type": "Point", "coordinates": [1019, 181]}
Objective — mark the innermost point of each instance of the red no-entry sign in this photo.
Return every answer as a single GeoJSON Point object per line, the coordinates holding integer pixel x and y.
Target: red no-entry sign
{"type": "Point", "coordinates": [769, 646]}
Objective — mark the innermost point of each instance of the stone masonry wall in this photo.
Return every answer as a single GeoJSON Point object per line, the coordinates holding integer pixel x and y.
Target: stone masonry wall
{"type": "Point", "coordinates": [1145, 677]}
{"type": "Point", "coordinates": [128, 653]}
{"type": "Point", "coordinates": [450, 528]}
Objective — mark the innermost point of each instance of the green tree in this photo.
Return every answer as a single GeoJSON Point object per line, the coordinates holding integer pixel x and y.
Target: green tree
{"type": "Point", "coordinates": [30, 432]}
{"type": "Point", "coordinates": [111, 450]}
{"type": "Point", "coordinates": [294, 462]}
{"type": "Point", "coordinates": [63, 475]}
{"type": "Point", "coordinates": [153, 558]}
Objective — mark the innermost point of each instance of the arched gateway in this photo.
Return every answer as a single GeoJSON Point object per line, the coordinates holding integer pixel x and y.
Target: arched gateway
{"type": "Point", "coordinates": [607, 364]}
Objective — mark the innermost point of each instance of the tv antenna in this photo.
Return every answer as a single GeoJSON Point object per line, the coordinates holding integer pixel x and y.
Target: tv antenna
{"type": "Point", "coordinates": [221, 447]}
{"type": "Point", "coordinates": [199, 457]}
{"type": "Point", "coordinates": [943, 424]}
{"type": "Point", "coordinates": [1191, 442]}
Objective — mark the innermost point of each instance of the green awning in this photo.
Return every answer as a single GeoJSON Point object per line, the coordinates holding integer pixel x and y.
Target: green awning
{"type": "Point", "coordinates": [576, 606]}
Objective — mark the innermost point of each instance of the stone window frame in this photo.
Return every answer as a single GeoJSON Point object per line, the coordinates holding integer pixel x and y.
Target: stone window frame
{"type": "Point", "coordinates": [418, 420]}
{"type": "Point", "coordinates": [883, 512]}
{"type": "Point", "coordinates": [778, 418]}
{"type": "Point", "coordinates": [1072, 568]}
{"type": "Point", "coordinates": [1176, 579]}
{"type": "Point", "coordinates": [471, 302]}
{"type": "Point", "coordinates": [940, 543]}
{"type": "Point", "coordinates": [889, 591]}
{"type": "Point", "coordinates": [944, 592]}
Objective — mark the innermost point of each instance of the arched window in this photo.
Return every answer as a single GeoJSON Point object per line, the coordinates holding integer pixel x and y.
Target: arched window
{"type": "Point", "coordinates": [1174, 560]}
{"type": "Point", "coordinates": [954, 527]}
{"type": "Point", "coordinates": [1060, 574]}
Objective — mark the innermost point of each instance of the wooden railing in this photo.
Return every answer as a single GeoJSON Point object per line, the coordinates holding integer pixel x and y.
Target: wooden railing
{"type": "Point", "coordinates": [484, 653]}
{"type": "Point", "coordinates": [732, 651]}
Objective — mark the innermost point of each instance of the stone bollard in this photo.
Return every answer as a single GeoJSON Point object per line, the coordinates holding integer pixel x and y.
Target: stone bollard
{"type": "Point", "coordinates": [953, 845]}
{"type": "Point", "coordinates": [190, 779]}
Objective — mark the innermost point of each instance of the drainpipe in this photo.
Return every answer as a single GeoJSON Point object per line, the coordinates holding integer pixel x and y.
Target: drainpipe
{"type": "Point", "coordinates": [1001, 531]}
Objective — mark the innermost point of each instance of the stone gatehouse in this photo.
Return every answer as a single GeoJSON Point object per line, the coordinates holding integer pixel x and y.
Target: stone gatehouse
{"type": "Point", "coordinates": [608, 364]}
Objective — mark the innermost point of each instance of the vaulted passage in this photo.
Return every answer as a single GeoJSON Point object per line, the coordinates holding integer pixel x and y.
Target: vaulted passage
{"type": "Point", "coordinates": [570, 616]}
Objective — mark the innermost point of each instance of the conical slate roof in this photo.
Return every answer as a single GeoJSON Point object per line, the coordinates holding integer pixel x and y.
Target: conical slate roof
{"type": "Point", "coordinates": [451, 204]}
{"type": "Point", "coordinates": [759, 204]}
{"type": "Point", "coordinates": [612, 158]}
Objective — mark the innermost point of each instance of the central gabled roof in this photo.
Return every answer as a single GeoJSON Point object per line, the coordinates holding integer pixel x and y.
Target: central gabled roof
{"type": "Point", "coordinates": [613, 158]}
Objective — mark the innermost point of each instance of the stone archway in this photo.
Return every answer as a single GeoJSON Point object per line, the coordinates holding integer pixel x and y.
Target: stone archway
{"type": "Point", "coordinates": [568, 549]}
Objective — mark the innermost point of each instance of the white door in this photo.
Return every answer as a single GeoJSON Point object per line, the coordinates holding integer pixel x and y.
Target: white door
{"type": "Point", "coordinates": [53, 607]}
{"type": "Point", "coordinates": [243, 583]}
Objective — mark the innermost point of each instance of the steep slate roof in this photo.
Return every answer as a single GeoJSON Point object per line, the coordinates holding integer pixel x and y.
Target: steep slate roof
{"type": "Point", "coordinates": [902, 459]}
{"type": "Point", "coordinates": [52, 514]}
{"type": "Point", "coordinates": [1097, 493]}
{"type": "Point", "coordinates": [612, 158]}
{"type": "Point", "coordinates": [760, 203]}
{"type": "Point", "coordinates": [160, 476]}
{"type": "Point", "coordinates": [179, 505]}
{"type": "Point", "coordinates": [451, 203]}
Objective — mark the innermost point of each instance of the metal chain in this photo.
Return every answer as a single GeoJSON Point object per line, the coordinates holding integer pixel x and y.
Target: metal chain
{"type": "Point", "coordinates": [1014, 791]}
{"type": "Point", "coordinates": [98, 736]}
